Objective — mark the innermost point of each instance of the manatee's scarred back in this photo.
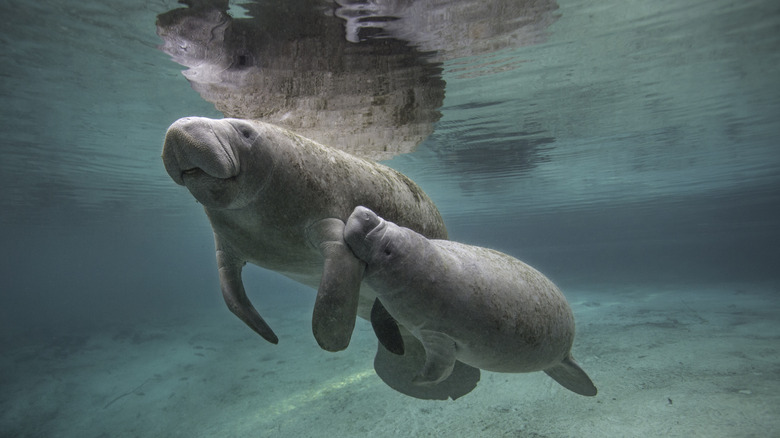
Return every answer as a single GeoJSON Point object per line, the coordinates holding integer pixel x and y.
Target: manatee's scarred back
{"type": "Point", "coordinates": [333, 183]}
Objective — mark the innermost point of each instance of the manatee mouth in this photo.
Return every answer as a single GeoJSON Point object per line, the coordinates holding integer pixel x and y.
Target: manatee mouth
{"type": "Point", "coordinates": [192, 173]}
{"type": "Point", "coordinates": [187, 177]}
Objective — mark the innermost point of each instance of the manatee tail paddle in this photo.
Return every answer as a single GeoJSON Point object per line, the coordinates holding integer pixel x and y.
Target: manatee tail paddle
{"type": "Point", "coordinates": [569, 374]}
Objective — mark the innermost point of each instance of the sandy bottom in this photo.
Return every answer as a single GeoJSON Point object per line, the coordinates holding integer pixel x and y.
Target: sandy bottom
{"type": "Point", "coordinates": [668, 361]}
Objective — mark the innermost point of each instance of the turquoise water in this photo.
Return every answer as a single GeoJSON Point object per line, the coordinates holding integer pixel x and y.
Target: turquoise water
{"type": "Point", "coordinates": [627, 149]}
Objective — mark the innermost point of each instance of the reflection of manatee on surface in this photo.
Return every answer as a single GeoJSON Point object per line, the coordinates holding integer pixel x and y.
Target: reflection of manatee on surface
{"type": "Point", "coordinates": [295, 69]}
{"type": "Point", "coordinates": [364, 77]}
{"type": "Point", "coordinates": [450, 29]}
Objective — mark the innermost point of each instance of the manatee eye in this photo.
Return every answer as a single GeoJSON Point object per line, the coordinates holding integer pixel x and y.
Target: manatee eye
{"type": "Point", "coordinates": [246, 133]}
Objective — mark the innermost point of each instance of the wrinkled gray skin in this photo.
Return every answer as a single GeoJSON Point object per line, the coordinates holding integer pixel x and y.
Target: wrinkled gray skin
{"type": "Point", "coordinates": [279, 201]}
{"type": "Point", "coordinates": [467, 303]}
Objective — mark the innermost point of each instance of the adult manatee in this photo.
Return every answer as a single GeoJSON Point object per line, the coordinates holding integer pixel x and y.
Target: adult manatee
{"type": "Point", "coordinates": [279, 201]}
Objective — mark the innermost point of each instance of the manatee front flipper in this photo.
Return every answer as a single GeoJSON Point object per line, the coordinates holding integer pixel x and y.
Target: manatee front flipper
{"type": "Point", "coordinates": [335, 308]}
{"type": "Point", "coordinates": [386, 328]}
{"type": "Point", "coordinates": [569, 374]}
{"type": "Point", "coordinates": [235, 296]}
{"type": "Point", "coordinates": [399, 371]}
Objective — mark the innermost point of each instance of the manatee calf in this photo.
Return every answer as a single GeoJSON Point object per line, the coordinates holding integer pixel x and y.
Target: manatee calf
{"type": "Point", "coordinates": [280, 201]}
{"type": "Point", "coordinates": [465, 303]}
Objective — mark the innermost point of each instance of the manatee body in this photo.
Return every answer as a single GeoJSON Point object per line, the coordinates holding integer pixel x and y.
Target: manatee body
{"type": "Point", "coordinates": [280, 201]}
{"type": "Point", "coordinates": [465, 303]}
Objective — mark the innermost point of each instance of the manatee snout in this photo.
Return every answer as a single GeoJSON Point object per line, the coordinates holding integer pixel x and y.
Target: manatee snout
{"type": "Point", "coordinates": [197, 143]}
